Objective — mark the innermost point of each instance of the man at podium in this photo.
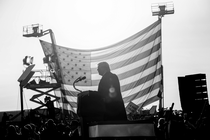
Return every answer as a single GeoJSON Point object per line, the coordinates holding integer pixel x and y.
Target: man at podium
{"type": "Point", "coordinates": [109, 90]}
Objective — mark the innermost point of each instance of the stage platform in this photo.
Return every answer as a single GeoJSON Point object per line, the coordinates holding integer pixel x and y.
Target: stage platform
{"type": "Point", "coordinates": [122, 130]}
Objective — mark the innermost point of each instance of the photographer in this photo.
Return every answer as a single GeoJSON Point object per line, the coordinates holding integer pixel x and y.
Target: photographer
{"type": "Point", "coordinates": [50, 107]}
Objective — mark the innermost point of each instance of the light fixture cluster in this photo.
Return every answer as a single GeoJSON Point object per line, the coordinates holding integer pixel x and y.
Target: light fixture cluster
{"type": "Point", "coordinates": [28, 60]}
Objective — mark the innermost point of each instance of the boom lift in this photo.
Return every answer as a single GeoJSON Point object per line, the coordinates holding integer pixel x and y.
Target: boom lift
{"type": "Point", "coordinates": [35, 30]}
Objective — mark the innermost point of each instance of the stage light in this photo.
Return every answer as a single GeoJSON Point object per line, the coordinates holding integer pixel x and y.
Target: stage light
{"type": "Point", "coordinates": [28, 60]}
{"type": "Point", "coordinates": [33, 82]}
{"type": "Point", "coordinates": [43, 82]}
{"type": "Point", "coordinates": [49, 59]}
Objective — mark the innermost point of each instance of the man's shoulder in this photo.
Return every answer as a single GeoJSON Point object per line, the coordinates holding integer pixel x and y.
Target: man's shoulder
{"type": "Point", "coordinates": [110, 75]}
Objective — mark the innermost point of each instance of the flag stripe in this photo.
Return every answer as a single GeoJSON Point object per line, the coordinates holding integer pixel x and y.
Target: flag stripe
{"type": "Point", "coordinates": [132, 46]}
{"type": "Point", "coordinates": [128, 57]}
{"type": "Point", "coordinates": [146, 33]}
{"type": "Point", "coordinates": [147, 101]}
{"type": "Point", "coordinates": [142, 81]}
{"type": "Point", "coordinates": [141, 93]}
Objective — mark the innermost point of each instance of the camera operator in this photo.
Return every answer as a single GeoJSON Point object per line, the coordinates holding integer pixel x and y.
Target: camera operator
{"type": "Point", "coordinates": [50, 107]}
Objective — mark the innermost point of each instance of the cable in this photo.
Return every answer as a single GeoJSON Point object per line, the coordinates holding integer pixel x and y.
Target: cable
{"type": "Point", "coordinates": [25, 100]}
{"type": "Point", "coordinates": [18, 99]}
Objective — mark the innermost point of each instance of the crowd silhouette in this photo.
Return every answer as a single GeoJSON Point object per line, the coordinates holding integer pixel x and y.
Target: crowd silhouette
{"type": "Point", "coordinates": [169, 125]}
{"type": "Point", "coordinates": [43, 128]}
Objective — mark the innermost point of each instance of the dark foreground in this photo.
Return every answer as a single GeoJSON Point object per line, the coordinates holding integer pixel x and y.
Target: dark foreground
{"type": "Point", "coordinates": [176, 125]}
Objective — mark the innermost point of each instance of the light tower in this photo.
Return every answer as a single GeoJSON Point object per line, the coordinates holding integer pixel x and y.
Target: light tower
{"type": "Point", "coordinates": [160, 10]}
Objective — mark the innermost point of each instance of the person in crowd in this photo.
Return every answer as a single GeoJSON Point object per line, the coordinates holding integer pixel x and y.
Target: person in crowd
{"type": "Point", "coordinates": [50, 131]}
{"type": "Point", "coordinates": [34, 133]}
{"type": "Point", "coordinates": [4, 119]}
{"type": "Point", "coordinates": [26, 133]}
{"type": "Point", "coordinates": [12, 133]}
{"type": "Point", "coordinates": [109, 90]}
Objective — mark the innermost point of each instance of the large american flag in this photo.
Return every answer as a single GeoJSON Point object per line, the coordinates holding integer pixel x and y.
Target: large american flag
{"type": "Point", "coordinates": [136, 60]}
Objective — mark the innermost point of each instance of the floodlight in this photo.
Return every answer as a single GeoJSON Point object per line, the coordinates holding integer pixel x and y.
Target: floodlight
{"type": "Point", "coordinates": [34, 30]}
{"type": "Point", "coordinates": [161, 9]}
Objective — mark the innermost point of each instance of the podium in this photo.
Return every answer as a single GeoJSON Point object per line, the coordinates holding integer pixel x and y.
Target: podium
{"type": "Point", "coordinates": [90, 106]}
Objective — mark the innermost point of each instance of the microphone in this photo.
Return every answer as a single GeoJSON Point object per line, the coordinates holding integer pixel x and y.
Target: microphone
{"type": "Point", "coordinates": [81, 78]}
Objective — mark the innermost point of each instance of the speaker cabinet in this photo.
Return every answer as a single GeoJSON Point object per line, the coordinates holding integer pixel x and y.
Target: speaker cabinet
{"type": "Point", "coordinates": [193, 93]}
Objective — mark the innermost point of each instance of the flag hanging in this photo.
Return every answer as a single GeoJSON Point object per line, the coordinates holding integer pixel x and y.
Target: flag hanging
{"type": "Point", "coordinates": [136, 60]}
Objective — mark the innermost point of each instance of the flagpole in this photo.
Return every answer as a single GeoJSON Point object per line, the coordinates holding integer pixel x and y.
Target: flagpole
{"type": "Point", "coordinates": [161, 9]}
{"type": "Point", "coordinates": [161, 100]}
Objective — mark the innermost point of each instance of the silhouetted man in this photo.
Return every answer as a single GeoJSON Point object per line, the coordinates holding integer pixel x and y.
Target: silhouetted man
{"type": "Point", "coordinates": [109, 89]}
{"type": "Point", "coordinates": [50, 107]}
